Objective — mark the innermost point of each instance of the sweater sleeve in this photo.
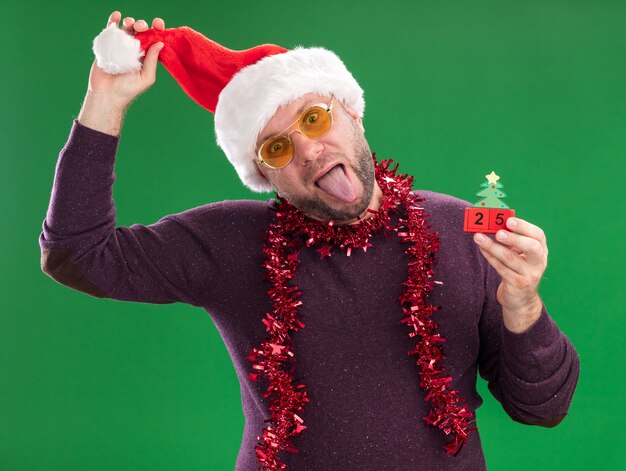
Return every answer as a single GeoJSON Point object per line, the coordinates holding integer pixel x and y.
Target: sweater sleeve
{"type": "Point", "coordinates": [82, 248]}
{"type": "Point", "coordinates": [533, 374]}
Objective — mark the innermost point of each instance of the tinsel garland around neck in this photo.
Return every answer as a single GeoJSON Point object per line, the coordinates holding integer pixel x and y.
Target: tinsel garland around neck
{"type": "Point", "coordinates": [275, 360]}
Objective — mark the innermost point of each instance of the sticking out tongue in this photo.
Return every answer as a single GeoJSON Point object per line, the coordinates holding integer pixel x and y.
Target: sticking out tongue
{"type": "Point", "coordinates": [337, 184]}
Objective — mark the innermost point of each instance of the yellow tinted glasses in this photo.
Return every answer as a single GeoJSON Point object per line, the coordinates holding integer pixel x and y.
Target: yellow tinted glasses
{"type": "Point", "coordinates": [314, 122]}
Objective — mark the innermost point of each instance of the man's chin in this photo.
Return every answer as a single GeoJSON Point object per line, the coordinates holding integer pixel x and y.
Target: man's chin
{"type": "Point", "coordinates": [339, 211]}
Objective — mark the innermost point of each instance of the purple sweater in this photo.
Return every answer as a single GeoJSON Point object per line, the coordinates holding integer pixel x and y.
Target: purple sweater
{"type": "Point", "coordinates": [366, 407]}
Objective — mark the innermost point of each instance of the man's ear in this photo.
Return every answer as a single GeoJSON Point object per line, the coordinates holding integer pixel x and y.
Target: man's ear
{"type": "Point", "coordinates": [354, 115]}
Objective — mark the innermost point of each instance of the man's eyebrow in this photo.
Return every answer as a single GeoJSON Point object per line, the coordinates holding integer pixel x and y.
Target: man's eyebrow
{"type": "Point", "coordinates": [300, 110]}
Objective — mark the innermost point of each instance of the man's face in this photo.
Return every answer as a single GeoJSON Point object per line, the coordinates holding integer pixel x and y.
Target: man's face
{"type": "Point", "coordinates": [312, 182]}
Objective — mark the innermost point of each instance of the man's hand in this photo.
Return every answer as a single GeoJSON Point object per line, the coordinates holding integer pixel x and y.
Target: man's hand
{"type": "Point", "coordinates": [126, 87]}
{"type": "Point", "coordinates": [520, 259]}
{"type": "Point", "coordinates": [108, 96]}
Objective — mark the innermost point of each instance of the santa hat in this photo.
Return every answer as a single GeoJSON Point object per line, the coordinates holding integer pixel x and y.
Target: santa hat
{"type": "Point", "coordinates": [243, 88]}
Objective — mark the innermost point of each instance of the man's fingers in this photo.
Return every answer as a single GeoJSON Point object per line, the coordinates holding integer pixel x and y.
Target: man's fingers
{"type": "Point", "coordinates": [514, 261]}
{"type": "Point", "coordinates": [506, 272]}
{"type": "Point", "coordinates": [148, 71]}
{"type": "Point", "coordinates": [130, 26]}
{"type": "Point", "coordinates": [158, 23]}
{"type": "Point", "coordinates": [127, 24]}
{"type": "Point", "coordinates": [526, 228]}
{"type": "Point", "coordinates": [532, 248]}
{"type": "Point", "coordinates": [114, 18]}
{"type": "Point", "coordinates": [140, 26]}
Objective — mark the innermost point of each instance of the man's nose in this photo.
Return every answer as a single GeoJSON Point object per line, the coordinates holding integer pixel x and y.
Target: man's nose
{"type": "Point", "coordinates": [306, 149]}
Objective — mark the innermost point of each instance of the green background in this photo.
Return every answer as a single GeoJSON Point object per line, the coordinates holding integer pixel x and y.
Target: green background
{"type": "Point", "coordinates": [534, 90]}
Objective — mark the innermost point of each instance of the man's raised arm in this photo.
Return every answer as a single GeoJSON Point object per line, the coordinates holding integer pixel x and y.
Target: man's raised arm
{"type": "Point", "coordinates": [80, 244]}
{"type": "Point", "coordinates": [109, 96]}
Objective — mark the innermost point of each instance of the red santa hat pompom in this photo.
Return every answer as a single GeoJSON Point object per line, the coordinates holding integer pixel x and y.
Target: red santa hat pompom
{"type": "Point", "coordinates": [243, 88]}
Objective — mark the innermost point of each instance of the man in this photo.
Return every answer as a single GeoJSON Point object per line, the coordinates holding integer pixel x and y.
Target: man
{"type": "Point", "coordinates": [320, 327]}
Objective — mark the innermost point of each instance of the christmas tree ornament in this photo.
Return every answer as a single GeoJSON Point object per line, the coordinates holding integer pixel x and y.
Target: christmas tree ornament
{"type": "Point", "coordinates": [488, 215]}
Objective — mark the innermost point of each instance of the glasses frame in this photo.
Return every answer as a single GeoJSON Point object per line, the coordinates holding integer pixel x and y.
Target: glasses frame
{"type": "Point", "coordinates": [327, 107]}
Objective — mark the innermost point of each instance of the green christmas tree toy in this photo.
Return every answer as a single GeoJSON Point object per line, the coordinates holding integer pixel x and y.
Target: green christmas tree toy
{"type": "Point", "coordinates": [489, 214]}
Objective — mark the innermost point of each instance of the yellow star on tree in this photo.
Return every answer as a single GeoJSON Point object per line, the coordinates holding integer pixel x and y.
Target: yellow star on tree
{"type": "Point", "coordinates": [492, 177]}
